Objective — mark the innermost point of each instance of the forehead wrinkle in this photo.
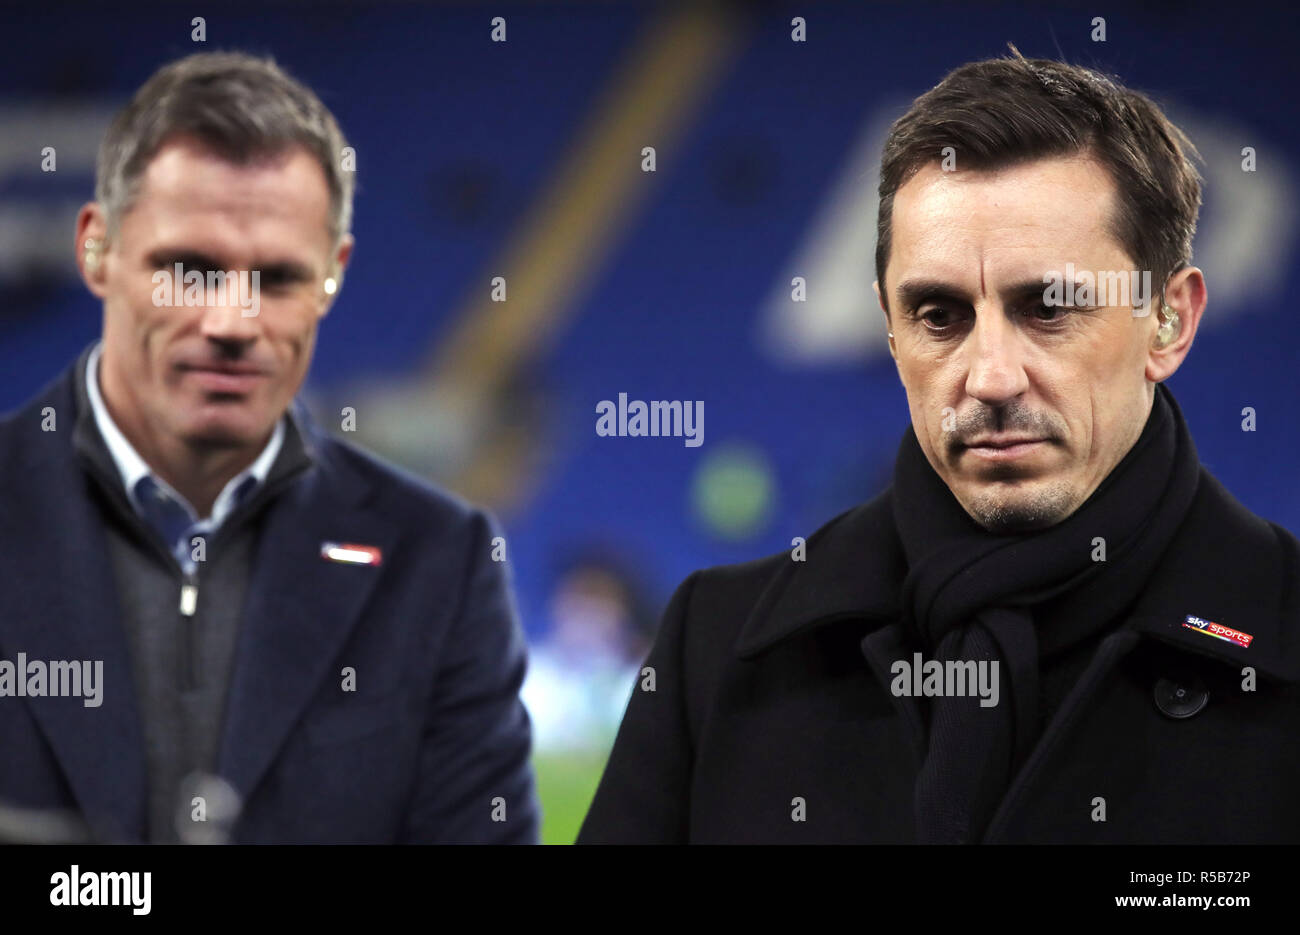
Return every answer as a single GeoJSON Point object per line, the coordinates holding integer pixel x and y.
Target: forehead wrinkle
{"type": "Point", "coordinates": [984, 292]}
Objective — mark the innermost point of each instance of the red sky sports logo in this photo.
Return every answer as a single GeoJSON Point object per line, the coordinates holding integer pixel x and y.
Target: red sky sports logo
{"type": "Point", "coordinates": [1210, 628]}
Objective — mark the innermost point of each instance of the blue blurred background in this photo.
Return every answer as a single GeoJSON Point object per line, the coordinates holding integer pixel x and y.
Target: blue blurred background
{"type": "Point", "coordinates": [525, 159]}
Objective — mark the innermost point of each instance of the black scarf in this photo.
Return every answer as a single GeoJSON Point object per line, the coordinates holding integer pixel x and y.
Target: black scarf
{"type": "Point", "coordinates": [973, 595]}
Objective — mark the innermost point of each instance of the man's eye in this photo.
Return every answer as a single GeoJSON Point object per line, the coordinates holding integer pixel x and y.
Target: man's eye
{"type": "Point", "coordinates": [936, 319]}
{"type": "Point", "coordinates": [1048, 314]}
{"type": "Point", "coordinates": [279, 281]}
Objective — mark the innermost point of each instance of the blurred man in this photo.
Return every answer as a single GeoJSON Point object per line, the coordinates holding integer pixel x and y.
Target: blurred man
{"type": "Point", "coordinates": [297, 641]}
{"type": "Point", "coordinates": [1055, 625]}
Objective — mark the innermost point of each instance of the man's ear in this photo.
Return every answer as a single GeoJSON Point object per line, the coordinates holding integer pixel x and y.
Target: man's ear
{"type": "Point", "coordinates": [889, 328]}
{"type": "Point", "coordinates": [333, 284]}
{"type": "Point", "coordinates": [90, 249]}
{"type": "Point", "coordinates": [1185, 294]}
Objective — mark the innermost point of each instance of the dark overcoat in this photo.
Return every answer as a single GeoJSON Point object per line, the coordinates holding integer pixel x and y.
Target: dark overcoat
{"type": "Point", "coordinates": [770, 719]}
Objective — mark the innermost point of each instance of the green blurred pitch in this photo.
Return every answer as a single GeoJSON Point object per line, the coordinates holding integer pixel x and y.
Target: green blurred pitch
{"type": "Point", "coordinates": [566, 784]}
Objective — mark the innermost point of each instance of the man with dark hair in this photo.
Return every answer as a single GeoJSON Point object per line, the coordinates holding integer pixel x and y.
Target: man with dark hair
{"type": "Point", "coordinates": [285, 639]}
{"type": "Point", "coordinates": [1055, 625]}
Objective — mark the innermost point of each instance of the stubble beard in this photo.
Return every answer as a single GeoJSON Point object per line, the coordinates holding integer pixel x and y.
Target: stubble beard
{"type": "Point", "coordinates": [1005, 510]}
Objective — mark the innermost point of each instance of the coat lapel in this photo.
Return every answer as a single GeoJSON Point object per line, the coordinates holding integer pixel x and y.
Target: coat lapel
{"type": "Point", "coordinates": [853, 567]}
{"type": "Point", "coordinates": [300, 610]}
{"type": "Point", "coordinates": [63, 605]}
{"type": "Point", "coordinates": [882, 648]}
{"type": "Point", "coordinates": [1228, 567]}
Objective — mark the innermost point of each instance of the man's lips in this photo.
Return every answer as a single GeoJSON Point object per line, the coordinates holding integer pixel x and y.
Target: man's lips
{"type": "Point", "coordinates": [223, 378]}
{"type": "Point", "coordinates": [1004, 448]}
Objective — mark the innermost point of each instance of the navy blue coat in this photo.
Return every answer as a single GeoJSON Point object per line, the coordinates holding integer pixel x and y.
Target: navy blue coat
{"type": "Point", "coordinates": [434, 744]}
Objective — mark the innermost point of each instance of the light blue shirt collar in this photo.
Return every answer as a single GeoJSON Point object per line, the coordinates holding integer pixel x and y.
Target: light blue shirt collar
{"type": "Point", "coordinates": [133, 468]}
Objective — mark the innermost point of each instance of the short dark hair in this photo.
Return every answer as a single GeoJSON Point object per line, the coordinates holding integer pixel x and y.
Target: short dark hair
{"type": "Point", "coordinates": [1005, 111]}
{"type": "Point", "coordinates": [241, 106]}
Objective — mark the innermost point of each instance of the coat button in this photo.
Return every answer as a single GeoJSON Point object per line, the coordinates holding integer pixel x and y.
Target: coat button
{"type": "Point", "coordinates": [1181, 697]}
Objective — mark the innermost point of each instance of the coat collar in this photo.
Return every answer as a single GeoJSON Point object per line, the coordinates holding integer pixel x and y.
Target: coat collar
{"type": "Point", "coordinates": [851, 567]}
{"type": "Point", "coordinates": [1224, 565]}
{"type": "Point", "coordinates": [63, 605]}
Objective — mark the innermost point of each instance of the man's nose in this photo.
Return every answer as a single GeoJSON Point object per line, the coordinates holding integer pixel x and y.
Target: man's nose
{"type": "Point", "coordinates": [997, 374]}
{"type": "Point", "coordinates": [232, 320]}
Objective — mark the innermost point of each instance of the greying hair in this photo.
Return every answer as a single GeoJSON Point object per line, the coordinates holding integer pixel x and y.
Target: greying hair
{"type": "Point", "coordinates": [241, 107]}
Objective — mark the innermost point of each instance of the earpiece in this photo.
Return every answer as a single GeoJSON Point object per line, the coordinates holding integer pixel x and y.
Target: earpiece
{"type": "Point", "coordinates": [1169, 328]}
{"type": "Point", "coordinates": [93, 250]}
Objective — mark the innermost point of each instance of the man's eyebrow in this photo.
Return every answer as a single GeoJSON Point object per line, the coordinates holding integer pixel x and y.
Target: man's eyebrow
{"type": "Point", "coordinates": [284, 270]}
{"type": "Point", "coordinates": [169, 256]}
{"type": "Point", "coordinates": [913, 292]}
{"type": "Point", "coordinates": [1026, 291]}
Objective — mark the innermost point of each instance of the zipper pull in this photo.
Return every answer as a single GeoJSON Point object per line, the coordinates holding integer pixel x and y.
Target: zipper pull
{"type": "Point", "coordinates": [189, 598]}
{"type": "Point", "coordinates": [188, 647]}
